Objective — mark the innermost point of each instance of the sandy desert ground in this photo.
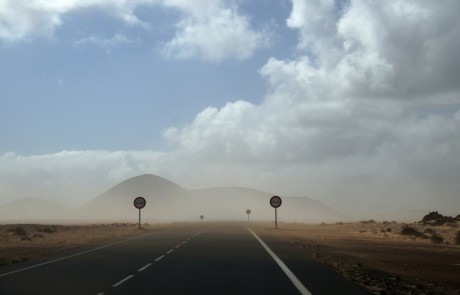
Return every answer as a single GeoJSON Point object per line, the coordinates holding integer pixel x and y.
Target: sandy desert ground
{"type": "Point", "coordinates": [374, 255]}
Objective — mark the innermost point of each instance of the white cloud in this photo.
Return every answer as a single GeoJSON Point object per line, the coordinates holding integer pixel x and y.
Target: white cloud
{"type": "Point", "coordinates": [368, 110]}
{"type": "Point", "coordinates": [213, 31]}
{"type": "Point", "coordinates": [116, 40]}
{"type": "Point", "coordinates": [23, 19]}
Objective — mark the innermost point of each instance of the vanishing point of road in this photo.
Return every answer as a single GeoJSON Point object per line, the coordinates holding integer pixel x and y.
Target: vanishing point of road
{"type": "Point", "coordinates": [200, 259]}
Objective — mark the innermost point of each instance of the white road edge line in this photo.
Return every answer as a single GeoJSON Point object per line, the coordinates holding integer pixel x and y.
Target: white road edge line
{"type": "Point", "coordinates": [169, 251]}
{"type": "Point", "coordinates": [177, 246]}
{"type": "Point", "coordinates": [122, 281]}
{"type": "Point", "coordinates": [73, 255]}
{"type": "Point", "coordinates": [287, 271]}
{"type": "Point", "coordinates": [141, 269]}
{"type": "Point", "coordinates": [159, 258]}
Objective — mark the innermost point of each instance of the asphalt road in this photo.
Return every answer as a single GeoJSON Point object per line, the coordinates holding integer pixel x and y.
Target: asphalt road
{"type": "Point", "coordinates": [188, 259]}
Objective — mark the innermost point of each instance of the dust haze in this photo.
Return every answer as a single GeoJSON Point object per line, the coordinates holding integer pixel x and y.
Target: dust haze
{"type": "Point", "coordinates": [170, 202]}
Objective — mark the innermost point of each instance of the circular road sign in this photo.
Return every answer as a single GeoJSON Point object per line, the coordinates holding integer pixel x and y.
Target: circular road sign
{"type": "Point", "coordinates": [139, 202]}
{"type": "Point", "coordinates": [275, 201]}
{"type": "Point", "coordinates": [248, 211]}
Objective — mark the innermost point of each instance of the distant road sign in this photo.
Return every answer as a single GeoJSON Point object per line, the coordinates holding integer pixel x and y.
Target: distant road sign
{"type": "Point", "coordinates": [275, 201]}
{"type": "Point", "coordinates": [139, 202]}
{"type": "Point", "coordinates": [248, 211]}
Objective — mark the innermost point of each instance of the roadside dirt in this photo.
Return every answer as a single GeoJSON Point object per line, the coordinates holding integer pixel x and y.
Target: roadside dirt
{"type": "Point", "coordinates": [377, 257]}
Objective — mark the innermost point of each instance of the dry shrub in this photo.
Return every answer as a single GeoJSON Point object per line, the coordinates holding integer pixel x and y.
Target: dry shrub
{"type": "Point", "coordinates": [19, 231]}
{"type": "Point", "coordinates": [429, 231]}
{"type": "Point", "coordinates": [457, 238]}
{"type": "Point", "coordinates": [437, 239]}
{"type": "Point", "coordinates": [410, 231]}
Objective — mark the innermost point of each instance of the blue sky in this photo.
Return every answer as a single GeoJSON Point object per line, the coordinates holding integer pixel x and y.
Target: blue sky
{"type": "Point", "coordinates": [65, 92]}
{"type": "Point", "coordinates": [348, 102]}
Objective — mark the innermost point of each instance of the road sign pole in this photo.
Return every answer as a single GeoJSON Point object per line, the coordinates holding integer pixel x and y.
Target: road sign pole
{"type": "Point", "coordinates": [276, 219]}
{"type": "Point", "coordinates": [139, 218]}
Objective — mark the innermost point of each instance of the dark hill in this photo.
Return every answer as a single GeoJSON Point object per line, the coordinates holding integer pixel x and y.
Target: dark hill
{"type": "Point", "coordinates": [117, 202]}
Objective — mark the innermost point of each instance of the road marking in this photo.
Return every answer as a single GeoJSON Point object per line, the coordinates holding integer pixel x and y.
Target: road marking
{"type": "Point", "coordinates": [169, 251]}
{"type": "Point", "coordinates": [177, 246]}
{"type": "Point", "coordinates": [122, 281]}
{"type": "Point", "coordinates": [159, 258]}
{"type": "Point", "coordinates": [100, 293]}
{"type": "Point", "coordinates": [141, 269]}
{"type": "Point", "coordinates": [287, 271]}
{"type": "Point", "coordinates": [73, 255]}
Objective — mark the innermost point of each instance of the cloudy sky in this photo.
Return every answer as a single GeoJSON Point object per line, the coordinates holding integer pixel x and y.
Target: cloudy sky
{"type": "Point", "coordinates": [353, 103]}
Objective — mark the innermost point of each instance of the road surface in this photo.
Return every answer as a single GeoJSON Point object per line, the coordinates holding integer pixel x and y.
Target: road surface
{"type": "Point", "coordinates": [185, 259]}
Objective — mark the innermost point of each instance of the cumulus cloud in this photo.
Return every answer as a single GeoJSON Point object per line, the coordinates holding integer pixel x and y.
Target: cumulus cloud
{"type": "Point", "coordinates": [24, 19]}
{"type": "Point", "coordinates": [393, 49]}
{"type": "Point", "coordinates": [214, 31]}
{"type": "Point", "coordinates": [368, 109]}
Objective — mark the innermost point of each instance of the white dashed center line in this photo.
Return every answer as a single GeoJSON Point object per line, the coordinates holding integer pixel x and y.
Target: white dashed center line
{"type": "Point", "coordinates": [122, 281]}
{"type": "Point", "coordinates": [141, 269]}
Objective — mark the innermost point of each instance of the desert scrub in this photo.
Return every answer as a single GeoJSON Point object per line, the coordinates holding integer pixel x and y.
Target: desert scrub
{"type": "Point", "coordinates": [18, 231]}
{"type": "Point", "coordinates": [457, 238]}
{"type": "Point", "coordinates": [429, 231]}
{"type": "Point", "coordinates": [410, 231]}
{"type": "Point", "coordinates": [437, 239]}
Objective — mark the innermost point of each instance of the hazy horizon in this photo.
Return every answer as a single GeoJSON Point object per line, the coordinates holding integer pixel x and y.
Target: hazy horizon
{"type": "Point", "coordinates": [352, 103]}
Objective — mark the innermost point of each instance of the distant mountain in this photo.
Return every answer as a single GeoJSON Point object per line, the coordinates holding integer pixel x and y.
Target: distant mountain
{"type": "Point", "coordinates": [167, 201]}
{"type": "Point", "coordinates": [117, 202]}
{"type": "Point", "coordinates": [32, 210]}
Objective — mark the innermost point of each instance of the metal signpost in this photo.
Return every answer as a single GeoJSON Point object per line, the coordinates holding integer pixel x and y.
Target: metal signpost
{"type": "Point", "coordinates": [275, 202]}
{"type": "Point", "coordinates": [248, 212]}
{"type": "Point", "coordinates": [139, 203]}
